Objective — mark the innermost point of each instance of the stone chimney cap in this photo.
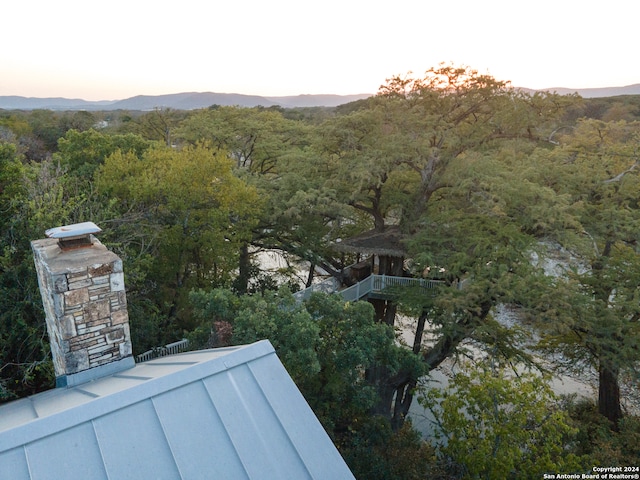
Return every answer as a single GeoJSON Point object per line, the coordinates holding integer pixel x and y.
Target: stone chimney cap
{"type": "Point", "coordinates": [76, 230]}
{"type": "Point", "coordinates": [74, 236]}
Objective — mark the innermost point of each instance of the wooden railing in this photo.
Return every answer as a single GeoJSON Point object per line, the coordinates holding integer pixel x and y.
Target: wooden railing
{"type": "Point", "coordinates": [378, 283]}
{"type": "Point", "coordinates": [330, 285]}
{"type": "Point", "coordinates": [372, 284]}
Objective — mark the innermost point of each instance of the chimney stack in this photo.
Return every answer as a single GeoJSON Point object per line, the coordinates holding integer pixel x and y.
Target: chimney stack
{"type": "Point", "coordinates": [82, 287]}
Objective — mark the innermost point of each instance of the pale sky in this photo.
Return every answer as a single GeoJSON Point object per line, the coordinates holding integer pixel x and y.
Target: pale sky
{"type": "Point", "coordinates": [120, 48]}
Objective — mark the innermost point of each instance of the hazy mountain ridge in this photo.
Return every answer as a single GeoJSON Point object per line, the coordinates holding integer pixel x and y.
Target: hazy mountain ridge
{"type": "Point", "coordinates": [178, 101]}
{"type": "Point", "coordinates": [196, 100]}
{"type": "Point", "coordinates": [594, 92]}
{"type": "Point", "coordinates": [188, 101]}
{"type": "Point", "coordinates": [16, 102]}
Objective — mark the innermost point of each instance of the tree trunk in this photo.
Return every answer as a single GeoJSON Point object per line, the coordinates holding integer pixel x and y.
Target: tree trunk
{"type": "Point", "coordinates": [608, 386]}
{"type": "Point", "coordinates": [385, 310]}
{"type": "Point", "coordinates": [404, 392]}
{"type": "Point", "coordinates": [312, 270]}
{"type": "Point", "coordinates": [396, 392]}
{"type": "Point", "coordinates": [244, 270]}
{"type": "Point", "coordinates": [609, 393]}
{"type": "Point", "coordinates": [378, 375]}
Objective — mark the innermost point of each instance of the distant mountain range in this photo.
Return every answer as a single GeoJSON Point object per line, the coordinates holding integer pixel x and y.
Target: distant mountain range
{"type": "Point", "coordinates": [596, 92]}
{"type": "Point", "coordinates": [195, 100]}
{"type": "Point", "coordinates": [177, 101]}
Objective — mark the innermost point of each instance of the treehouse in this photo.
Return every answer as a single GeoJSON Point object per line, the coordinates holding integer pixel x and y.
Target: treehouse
{"type": "Point", "coordinates": [379, 252]}
{"type": "Point", "coordinates": [378, 271]}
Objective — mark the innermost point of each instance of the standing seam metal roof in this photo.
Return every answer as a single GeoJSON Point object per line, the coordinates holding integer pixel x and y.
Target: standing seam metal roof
{"type": "Point", "coordinates": [229, 413]}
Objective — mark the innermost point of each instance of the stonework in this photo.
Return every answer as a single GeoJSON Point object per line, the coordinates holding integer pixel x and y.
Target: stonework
{"type": "Point", "coordinates": [85, 306]}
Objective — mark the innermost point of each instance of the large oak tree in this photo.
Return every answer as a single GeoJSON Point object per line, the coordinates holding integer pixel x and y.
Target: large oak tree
{"type": "Point", "coordinates": [444, 157]}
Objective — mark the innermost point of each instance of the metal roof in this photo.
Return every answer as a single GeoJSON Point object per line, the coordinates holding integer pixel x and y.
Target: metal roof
{"type": "Point", "coordinates": [229, 413]}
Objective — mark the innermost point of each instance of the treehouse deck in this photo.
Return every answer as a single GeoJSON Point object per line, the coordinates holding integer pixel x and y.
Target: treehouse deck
{"type": "Point", "coordinates": [372, 286]}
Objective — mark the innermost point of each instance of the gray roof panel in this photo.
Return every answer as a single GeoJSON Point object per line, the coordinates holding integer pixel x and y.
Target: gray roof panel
{"type": "Point", "coordinates": [141, 449]}
{"type": "Point", "coordinates": [13, 464]}
{"type": "Point", "coordinates": [289, 406]}
{"type": "Point", "coordinates": [207, 447]}
{"type": "Point", "coordinates": [264, 448]}
{"type": "Point", "coordinates": [72, 453]}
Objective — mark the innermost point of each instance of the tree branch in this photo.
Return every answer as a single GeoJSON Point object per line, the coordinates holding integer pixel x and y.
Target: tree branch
{"type": "Point", "coordinates": [619, 177]}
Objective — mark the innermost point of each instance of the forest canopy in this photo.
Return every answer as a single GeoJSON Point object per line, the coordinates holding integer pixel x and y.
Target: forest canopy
{"type": "Point", "coordinates": [506, 201]}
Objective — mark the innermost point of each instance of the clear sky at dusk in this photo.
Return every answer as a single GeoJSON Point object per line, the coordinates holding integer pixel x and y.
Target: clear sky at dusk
{"type": "Point", "coordinates": [121, 48]}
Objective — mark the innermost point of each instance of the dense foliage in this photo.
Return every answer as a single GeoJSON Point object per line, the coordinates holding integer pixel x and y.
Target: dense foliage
{"type": "Point", "coordinates": [508, 199]}
{"type": "Point", "coordinates": [518, 429]}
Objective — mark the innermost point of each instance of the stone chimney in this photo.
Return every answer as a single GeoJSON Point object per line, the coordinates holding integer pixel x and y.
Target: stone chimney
{"type": "Point", "coordinates": [82, 287]}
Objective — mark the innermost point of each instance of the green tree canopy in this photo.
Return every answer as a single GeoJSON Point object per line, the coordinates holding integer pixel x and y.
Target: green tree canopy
{"type": "Point", "coordinates": [393, 154]}
{"type": "Point", "coordinates": [596, 319]}
{"type": "Point", "coordinates": [276, 156]}
{"type": "Point", "coordinates": [82, 152]}
{"type": "Point", "coordinates": [491, 423]}
{"type": "Point", "coordinates": [192, 212]}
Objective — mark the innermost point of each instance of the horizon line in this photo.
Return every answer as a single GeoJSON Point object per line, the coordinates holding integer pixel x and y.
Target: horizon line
{"type": "Point", "coordinates": [72, 98]}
